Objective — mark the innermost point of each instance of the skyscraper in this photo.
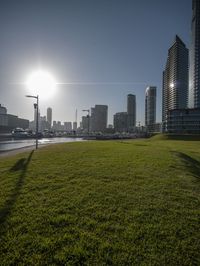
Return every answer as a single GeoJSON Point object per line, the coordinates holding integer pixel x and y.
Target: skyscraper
{"type": "Point", "coordinates": [49, 116]}
{"type": "Point", "coordinates": [131, 111]}
{"type": "Point", "coordinates": [68, 126]}
{"type": "Point", "coordinates": [194, 73]}
{"type": "Point", "coordinates": [120, 122]}
{"type": "Point", "coordinates": [75, 126]}
{"type": "Point", "coordinates": [99, 118]}
{"type": "Point", "coordinates": [175, 79]}
{"type": "Point", "coordinates": [150, 106]}
{"type": "Point", "coordinates": [85, 123]}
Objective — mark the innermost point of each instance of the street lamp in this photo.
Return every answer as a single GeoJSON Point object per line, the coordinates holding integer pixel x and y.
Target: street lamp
{"type": "Point", "coordinates": [36, 107]}
{"type": "Point", "coordinates": [88, 111]}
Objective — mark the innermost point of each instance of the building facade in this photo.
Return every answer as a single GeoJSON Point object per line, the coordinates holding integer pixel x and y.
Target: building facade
{"type": "Point", "coordinates": [43, 124]}
{"type": "Point", "coordinates": [131, 111]}
{"type": "Point", "coordinates": [3, 116]}
{"type": "Point", "coordinates": [74, 126]}
{"type": "Point", "coordinates": [194, 72]}
{"type": "Point", "coordinates": [68, 126]}
{"type": "Point", "coordinates": [121, 122]}
{"type": "Point", "coordinates": [9, 122]}
{"type": "Point", "coordinates": [184, 121]}
{"type": "Point", "coordinates": [3, 110]}
{"type": "Point", "coordinates": [85, 123]}
{"type": "Point", "coordinates": [49, 116]}
{"type": "Point", "coordinates": [99, 118]}
{"type": "Point", "coordinates": [57, 126]}
{"type": "Point", "coordinates": [150, 108]}
{"type": "Point", "coordinates": [14, 121]}
{"type": "Point", "coordinates": [175, 79]}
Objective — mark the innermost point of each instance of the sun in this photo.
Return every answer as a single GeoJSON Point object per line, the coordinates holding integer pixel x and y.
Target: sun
{"type": "Point", "coordinates": [41, 83]}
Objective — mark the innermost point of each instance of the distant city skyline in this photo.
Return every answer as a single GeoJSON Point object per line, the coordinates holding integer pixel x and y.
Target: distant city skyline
{"type": "Point", "coordinates": [98, 52]}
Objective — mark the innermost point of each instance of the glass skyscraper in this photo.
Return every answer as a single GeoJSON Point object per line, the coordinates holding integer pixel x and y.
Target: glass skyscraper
{"type": "Point", "coordinates": [150, 106]}
{"type": "Point", "coordinates": [49, 116]}
{"type": "Point", "coordinates": [131, 111]}
{"type": "Point", "coordinates": [175, 79]}
{"type": "Point", "coordinates": [194, 72]}
{"type": "Point", "coordinates": [99, 118]}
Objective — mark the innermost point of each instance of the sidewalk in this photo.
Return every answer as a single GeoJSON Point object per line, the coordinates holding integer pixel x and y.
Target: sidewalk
{"type": "Point", "coordinates": [16, 151]}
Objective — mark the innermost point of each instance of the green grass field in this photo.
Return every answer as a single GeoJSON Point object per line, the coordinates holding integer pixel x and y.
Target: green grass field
{"type": "Point", "coordinates": [102, 203]}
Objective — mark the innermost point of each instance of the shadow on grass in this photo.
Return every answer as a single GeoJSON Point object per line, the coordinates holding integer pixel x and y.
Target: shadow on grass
{"type": "Point", "coordinates": [124, 142]}
{"type": "Point", "coordinates": [138, 144]}
{"type": "Point", "coordinates": [185, 137]}
{"type": "Point", "coordinates": [192, 165]}
{"type": "Point", "coordinates": [21, 165]}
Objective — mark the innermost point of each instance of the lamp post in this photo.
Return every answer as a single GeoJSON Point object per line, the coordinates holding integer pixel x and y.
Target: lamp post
{"type": "Point", "coordinates": [36, 107]}
{"type": "Point", "coordinates": [88, 111]}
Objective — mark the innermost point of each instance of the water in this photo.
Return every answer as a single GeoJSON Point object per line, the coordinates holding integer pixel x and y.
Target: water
{"type": "Point", "coordinates": [18, 144]}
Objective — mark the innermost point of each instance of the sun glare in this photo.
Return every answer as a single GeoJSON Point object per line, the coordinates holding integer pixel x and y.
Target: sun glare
{"type": "Point", "coordinates": [41, 83]}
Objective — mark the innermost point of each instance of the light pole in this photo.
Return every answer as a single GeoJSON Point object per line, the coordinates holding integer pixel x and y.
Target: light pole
{"type": "Point", "coordinates": [88, 111]}
{"type": "Point", "coordinates": [36, 107]}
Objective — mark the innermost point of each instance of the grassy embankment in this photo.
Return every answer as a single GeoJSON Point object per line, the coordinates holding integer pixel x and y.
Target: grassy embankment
{"type": "Point", "coordinates": [102, 203]}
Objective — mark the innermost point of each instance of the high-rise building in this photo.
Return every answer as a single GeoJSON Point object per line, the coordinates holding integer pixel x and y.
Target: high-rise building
{"type": "Point", "coordinates": [131, 111]}
{"type": "Point", "coordinates": [68, 126]}
{"type": "Point", "coordinates": [74, 126]}
{"type": "Point", "coordinates": [49, 116]}
{"type": "Point", "coordinates": [8, 122]}
{"type": "Point", "coordinates": [184, 121]}
{"type": "Point", "coordinates": [54, 125]}
{"type": "Point", "coordinates": [85, 123]}
{"type": "Point", "coordinates": [175, 79]}
{"type": "Point", "coordinates": [43, 123]}
{"type": "Point", "coordinates": [99, 118]}
{"type": "Point", "coordinates": [120, 122]}
{"type": "Point", "coordinates": [194, 73]}
{"type": "Point", "coordinates": [150, 107]}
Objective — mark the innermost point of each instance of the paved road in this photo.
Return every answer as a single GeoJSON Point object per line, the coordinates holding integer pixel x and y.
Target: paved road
{"type": "Point", "coordinates": [13, 152]}
{"type": "Point", "coordinates": [11, 145]}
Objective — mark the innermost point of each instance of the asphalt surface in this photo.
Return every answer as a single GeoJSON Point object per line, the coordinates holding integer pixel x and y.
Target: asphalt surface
{"type": "Point", "coordinates": [17, 151]}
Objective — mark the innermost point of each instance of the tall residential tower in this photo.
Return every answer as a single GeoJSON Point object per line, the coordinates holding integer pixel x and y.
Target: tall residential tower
{"type": "Point", "coordinates": [49, 116]}
{"type": "Point", "coordinates": [175, 79]}
{"type": "Point", "coordinates": [99, 118]}
{"type": "Point", "coordinates": [194, 73]}
{"type": "Point", "coordinates": [131, 111]}
{"type": "Point", "coordinates": [150, 107]}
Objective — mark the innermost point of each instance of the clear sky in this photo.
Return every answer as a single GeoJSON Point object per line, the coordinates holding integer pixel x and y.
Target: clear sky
{"type": "Point", "coordinates": [100, 50]}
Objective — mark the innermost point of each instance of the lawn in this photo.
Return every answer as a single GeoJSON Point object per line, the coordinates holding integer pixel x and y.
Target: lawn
{"type": "Point", "coordinates": [102, 203]}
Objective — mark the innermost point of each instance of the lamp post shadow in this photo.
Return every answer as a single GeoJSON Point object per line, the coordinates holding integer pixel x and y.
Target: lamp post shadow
{"type": "Point", "coordinates": [21, 165]}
